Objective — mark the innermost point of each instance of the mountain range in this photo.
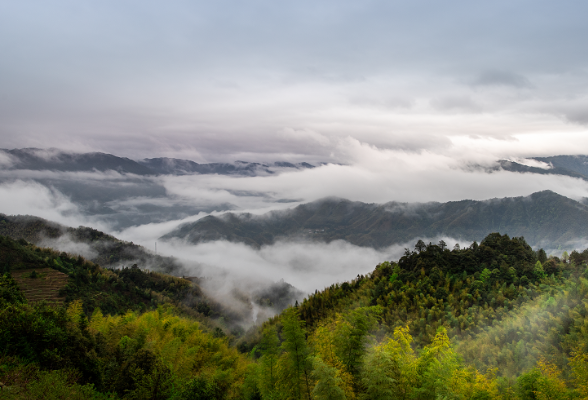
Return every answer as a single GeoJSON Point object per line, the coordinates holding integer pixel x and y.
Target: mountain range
{"type": "Point", "coordinates": [56, 160]}
{"type": "Point", "coordinates": [575, 166]}
{"type": "Point", "coordinates": [543, 218]}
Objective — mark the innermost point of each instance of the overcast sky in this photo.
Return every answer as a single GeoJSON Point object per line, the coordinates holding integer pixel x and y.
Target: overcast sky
{"type": "Point", "coordinates": [272, 80]}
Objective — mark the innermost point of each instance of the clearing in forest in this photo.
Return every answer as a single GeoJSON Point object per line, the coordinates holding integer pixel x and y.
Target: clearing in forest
{"type": "Point", "coordinates": [39, 284]}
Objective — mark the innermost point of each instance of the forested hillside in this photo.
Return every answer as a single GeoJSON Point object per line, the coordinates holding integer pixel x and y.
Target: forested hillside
{"type": "Point", "coordinates": [496, 320]}
{"type": "Point", "coordinates": [116, 291]}
{"type": "Point", "coordinates": [103, 249]}
{"type": "Point", "coordinates": [543, 218]}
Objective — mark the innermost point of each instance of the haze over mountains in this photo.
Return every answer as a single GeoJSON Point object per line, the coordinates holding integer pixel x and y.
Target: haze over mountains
{"type": "Point", "coordinates": [574, 166]}
{"type": "Point", "coordinates": [56, 160]}
{"type": "Point", "coordinates": [308, 226]}
{"type": "Point", "coordinates": [117, 193]}
{"type": "Point", "coordinates": [545, 219]}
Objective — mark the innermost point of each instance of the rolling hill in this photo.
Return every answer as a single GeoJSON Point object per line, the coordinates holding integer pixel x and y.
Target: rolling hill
{"type": "Point", "coordinates": [545, 219]}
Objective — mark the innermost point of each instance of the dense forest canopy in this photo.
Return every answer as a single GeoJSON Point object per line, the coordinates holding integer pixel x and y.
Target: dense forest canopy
{"type": "Point", "coordinates": [495, 320]}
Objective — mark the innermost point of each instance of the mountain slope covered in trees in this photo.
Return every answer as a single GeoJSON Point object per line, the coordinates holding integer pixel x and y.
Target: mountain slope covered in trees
{"type": "Point", "coordinates": [545, 219]}
{"type": "Point", "coordinates": [496, 320]}
{"type": "Point", "coordinates": [240, 308]}
{"type": "Point", "coordinates": [99, 247]}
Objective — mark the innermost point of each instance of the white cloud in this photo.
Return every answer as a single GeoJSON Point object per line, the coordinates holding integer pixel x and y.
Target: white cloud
{"type": "Point", "coordinates": [31, 198]}
{"type": "Point", "coordinates": [379, 175]}
{"type": "Point", "coordinates": [6, 160]}
{"type": "Point", "coordinates": [304, 135]}
{"type": "Point", "coordinates": [65, 243]}
{"type": "Point", "coordinates": [307, 266]}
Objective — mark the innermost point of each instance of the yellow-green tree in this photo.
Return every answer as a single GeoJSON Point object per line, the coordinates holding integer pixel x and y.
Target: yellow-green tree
{"type": "Point", "coordinates": [322, 342]}
{"type": "Point", "coordinates": [294, 365]}
{"type": "Point", "coordinates": [268, 364]}
{"type": "Point", "coordinates": [389, 371]}
{"type": "Point", "coordinates": [579, 365]}
{"type": "Point", "coordinates": [328, 383]}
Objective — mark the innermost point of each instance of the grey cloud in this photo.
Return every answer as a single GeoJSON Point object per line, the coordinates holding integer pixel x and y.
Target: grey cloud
{"type": "Point", "coordinates": [456, 104]}
{"type": "Point", "coordinates": [6, 161]}
{"type": "Point", "coordinates": [577, 115]}
{"type": "Point", "coordinates": [387, 103]}
{"type": "Point", "coordinates": [217, 80]}
{"type": "Point", "coordinates": [502, 78]}
{"type": "Point", "coordinates": [314, 74]}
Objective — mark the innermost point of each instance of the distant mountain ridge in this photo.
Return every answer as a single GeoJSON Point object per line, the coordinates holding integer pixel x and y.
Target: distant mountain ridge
{"type": "Point", "coordinates": [573, 166]}
{"type": "Point", "coordinates": [543, 218]}
{"type": "Point", "coordinates": [56, 160]}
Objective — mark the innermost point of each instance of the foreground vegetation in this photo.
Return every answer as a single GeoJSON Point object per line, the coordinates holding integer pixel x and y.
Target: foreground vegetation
{"type": "Point", "coordinates": [495, 320]}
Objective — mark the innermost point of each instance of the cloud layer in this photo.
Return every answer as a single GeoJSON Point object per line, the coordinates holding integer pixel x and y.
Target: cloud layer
{"type": "Point", "coordinates": [266, 81]}
{"type": "Point", "coordinates": [307, 266]}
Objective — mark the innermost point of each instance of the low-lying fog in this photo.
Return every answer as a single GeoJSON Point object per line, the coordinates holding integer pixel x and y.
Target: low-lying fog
{"type": "Point", "coordinates": [307, 266]}
{"type": "Point", "coordinates": [141, 209]}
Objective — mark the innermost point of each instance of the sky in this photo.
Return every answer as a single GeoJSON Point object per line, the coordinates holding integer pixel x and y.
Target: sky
{"type": "Point", "coordinates": [296, 81]}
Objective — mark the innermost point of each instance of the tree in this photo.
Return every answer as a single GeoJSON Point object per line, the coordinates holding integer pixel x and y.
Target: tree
{"type": "Point", "coordinates": [541, 255]}
{"type": "Point", "coordinates": [442, 244]}
{"type": "Point", "coordinates": [351, 335]}
{"type": "Point", "coordinates": [294, 366]}
{"type": "Point", "coordinates": [270, 347]}
{"type": "Point", "coordinates": [420, 246]}
{"type": "Point", "coordinates": [9, 291]}
{"type": "Point", "coordinates": [538, 270]}
{"type": "Point", "coordinates": [389, 371]}
{"type": "Point", "coordinates": [550, 385]}
{"type": "Point", "coordinates": [323, 339]}
{"type": "Point", "coordinates": [579, 365]}
{"type": "Point", "coordinates": [328, 383]}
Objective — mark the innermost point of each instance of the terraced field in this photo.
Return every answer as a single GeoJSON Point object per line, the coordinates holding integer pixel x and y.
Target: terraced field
{"type": "Point", "coordinates": [45, 286]}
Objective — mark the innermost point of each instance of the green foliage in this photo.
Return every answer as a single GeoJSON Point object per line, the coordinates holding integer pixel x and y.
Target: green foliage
{"type": "Point", "coordinates": [328, 383]}
{"type": "Point", "coordinates": [390, 370]}
{"type": "Point", "coordinates": [294, 363]}
{"type": "Point", "coordinates": [9, 291]}
{"type": "Point", "coordinates": [47, 336]}
{"type": "Point", "coordinates": [421, 328]}
{"type": "Point", "coordinates": [156, 355]}
{"type": "Point", "coordinates": [200, 388]}
{"type": "Point", "coordinates": [351, 336]}
{"type": "Point", "coordinates": [53, 385]}
{"type": "Point", "coordinates": [268, 363]}
{"type": "Point", "coordinates": [114, 291]}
